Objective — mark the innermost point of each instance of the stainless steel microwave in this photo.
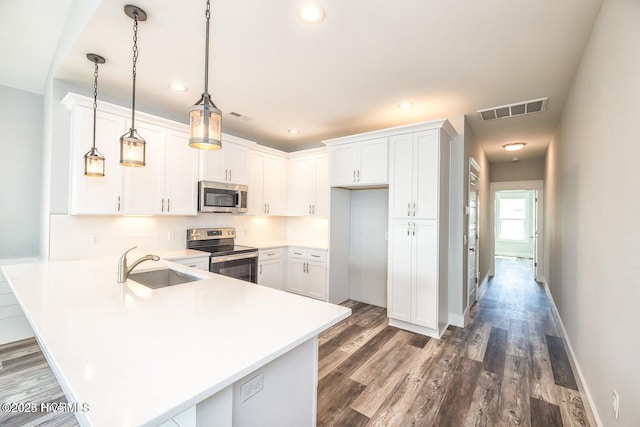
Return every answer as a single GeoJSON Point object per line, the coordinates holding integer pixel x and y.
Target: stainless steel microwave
{"type": "Point", "coordinates": [221, 197]}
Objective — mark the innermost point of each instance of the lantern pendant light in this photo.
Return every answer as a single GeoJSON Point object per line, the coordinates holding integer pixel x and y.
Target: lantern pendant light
{"type": "Point", "coordinates": [93, 160]}
{"type": "Point", "coordinates": [205, 120]}
{"type": "Point", "coordinates": [132, 146]}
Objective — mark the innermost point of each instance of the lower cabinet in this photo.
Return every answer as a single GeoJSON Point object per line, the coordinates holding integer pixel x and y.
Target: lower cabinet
{"type": "Point", "coordinates": [201, 262]}
{"type": "Point", "coordinates": [307, 272]}
{"type": "Point", "coordinates": [271, 268]}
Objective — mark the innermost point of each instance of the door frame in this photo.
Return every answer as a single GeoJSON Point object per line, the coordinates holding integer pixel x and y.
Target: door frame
{"type": "Point", "coordinates": [473, 175]}
{"type": "Point", "coordinates": [538, 187]}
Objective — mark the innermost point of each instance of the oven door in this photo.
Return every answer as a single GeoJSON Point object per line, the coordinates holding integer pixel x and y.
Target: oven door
{"type": "Point", "coordinates": [240, 266]}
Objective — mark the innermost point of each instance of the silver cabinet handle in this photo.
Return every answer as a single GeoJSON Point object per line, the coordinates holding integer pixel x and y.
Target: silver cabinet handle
{"type": "Point", "coordinates": [271, 253]}
{"type": "Point", "coordinates": [268, 207]}
{"type": "Point", "coordinates": [229, 174]}
{"type": "Point", "coordinates": [414, 228]}
{"type": "Point", "coordinates": [226, 174]}
{"type": "Point", "coordinates": [313, 209]}
{"type": "Point", "coordinates": [408, 228]}
{"type": "Point", "coordinates": [409, 209]}
{"type": "Point", "coordinates": [260, 268]}
{"type": "Point", "coordinates": [118, 203]}
{"type": "Point", "coordinates": [358, 175]}
{"type": "Point", "coordinates": [309, 209]}
{"type": "Point", "coordinates": [162, 206]}
{"type": "Point", "coordinates": [168, 205]}
{"type": "Point", "coordinates": [354, 175]}
{"type": "Point", "coordinates": [264, 209]}
{"type": "Point", "coordinates": [414, 209]}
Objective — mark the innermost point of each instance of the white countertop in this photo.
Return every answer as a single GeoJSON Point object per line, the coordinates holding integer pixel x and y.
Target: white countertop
{"type": "Point", "coordinates": [261, 244]}
{"type": "Point", "coordinates": [139, 356]}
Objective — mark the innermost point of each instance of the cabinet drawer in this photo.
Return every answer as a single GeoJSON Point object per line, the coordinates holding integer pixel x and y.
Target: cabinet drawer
{"type": "Point", "coordinates": [196, 262]}
{"type": "Point", "coordinates": [308, 254]}
{"type": "Point", "coordinates": [274, 253]}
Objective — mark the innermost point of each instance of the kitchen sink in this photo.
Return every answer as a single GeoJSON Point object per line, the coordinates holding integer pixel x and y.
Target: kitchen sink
{"type": "Point", "coordinates": [162, 278]}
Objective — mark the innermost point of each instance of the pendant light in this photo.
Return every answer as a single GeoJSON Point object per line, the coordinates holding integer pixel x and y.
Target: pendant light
{"type": "Point", "coordinates": [205, 120]}
{"type": "Point", "coordinates": [132, 146]}
{"type": "Point", "coordinates": [93, 160]}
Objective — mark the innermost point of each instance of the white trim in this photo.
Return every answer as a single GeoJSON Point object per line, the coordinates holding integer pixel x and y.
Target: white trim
{"type": "Point", "coordinates": [443, 124]}
{"type": "Point", "coordinates": [309, 152]}
{"type": "Point", "coordinates": [592, 412]}
{"type": "Point", "coordinates": [456, 319]}
{"type": "Point", "coordinates": [412, 327]}
{"type": "Point", "coordinates": [483, 286]}
{"type": "Point", "coordinates": [512, 185]}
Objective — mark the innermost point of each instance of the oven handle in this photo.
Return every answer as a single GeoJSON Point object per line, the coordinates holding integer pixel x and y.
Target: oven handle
{"type": "Point", "coordinates": [217, 259]}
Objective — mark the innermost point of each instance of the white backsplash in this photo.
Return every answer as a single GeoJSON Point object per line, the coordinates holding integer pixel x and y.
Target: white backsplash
{"type": "Point", "coordinates": [308, 228]}
{"type": "Point", "coordinates": [80, 237]}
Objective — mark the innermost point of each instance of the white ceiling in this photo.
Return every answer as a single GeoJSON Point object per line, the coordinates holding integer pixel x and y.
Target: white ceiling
{"type": "Point", "coordinates": [343, 76]}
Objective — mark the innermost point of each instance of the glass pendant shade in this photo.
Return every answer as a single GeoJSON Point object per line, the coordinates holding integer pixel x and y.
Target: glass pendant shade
{"type": "Point", "coordinates": [132, 149]}
{"type": "Point", "coordinates": [93, 163]}
{"type": "Point", "coordinates": [205, 125]}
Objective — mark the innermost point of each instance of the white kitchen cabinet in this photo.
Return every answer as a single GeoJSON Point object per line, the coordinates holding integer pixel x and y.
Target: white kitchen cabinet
{"type": "Point", "coordinates": [200, 262]}
{"type": "Point", "coordinates": [307, 272]}
{"type": "Point", "coordinates": [271, 268]}
{"type": "Point", "coordinates": [359, 164]}
{"type": "Point", "coordinates": [13, 323]}
{"type": "Point", "coordinates": [309, 185]}
{"type": "Point", "coordinates": [167, 184]}
{"type": "Point", "coordinates": [267, 184]}
{"type": "Point", "coordinates": [413, 272]}
{"type": "Point", "coordinates": [96, 195]}
{"type": "Point", "coordinates": [415, 174]}
{"type": "Point", "coordinates": [417, 282]}
{"type": "Point", "coordinates": [228, 164]}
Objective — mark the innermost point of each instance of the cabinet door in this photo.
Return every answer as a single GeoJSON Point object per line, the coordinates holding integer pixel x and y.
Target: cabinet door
{"type": "Point", "coordinates": [427, 174]}
{"type": "Point", "coordinates": [301, 184]}
{"type": "Point", "coordinates": [399, 270]}
{"type": "Point", "coordinates": [316, 280]}
{"type": "Point", "coordinates": [181, 175]}
{"type": "Point", "coordinates": [144, 186]}
{"type": "Point", "coordinates": [270, 273]}
{"type": "Point", "coordinates": [96, 195]}
{"type": "Point", "coordinates": [321, 186]}
{"type": "Point", "coordinates": [212, 166]}
{"type": "Point", "coordinates": [425, 251]}
{"type": "Point", "coordinates": [236, 158]}
{"type": "Point", "coordinates": [256, 203]}
{"type": "Point", "coordinates": [343, 165]}
{"type": "Point", "coordinates": [275, 185]}
{"type": "Point", "coordinates": [297, 276]}
{"type": "Point", "coordinates": [400, 176]}
{"type": "Point", "coordinates": [374, 162]}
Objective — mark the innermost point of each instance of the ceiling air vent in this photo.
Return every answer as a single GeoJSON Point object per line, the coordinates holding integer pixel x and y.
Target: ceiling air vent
{"type": "Point", "coordinates": [240, 116]}
{"type": "Point", "coordinates": [513, 110]}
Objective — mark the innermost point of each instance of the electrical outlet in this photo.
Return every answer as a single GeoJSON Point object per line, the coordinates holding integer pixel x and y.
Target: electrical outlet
{"type": "Point", "coordinates": [615, 402]}
{"type": "Point", "coordinates": [251, 387]}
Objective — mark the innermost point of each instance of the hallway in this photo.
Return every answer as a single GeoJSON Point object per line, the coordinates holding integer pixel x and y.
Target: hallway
{"type": "Point", "coordinates": [507, 367]}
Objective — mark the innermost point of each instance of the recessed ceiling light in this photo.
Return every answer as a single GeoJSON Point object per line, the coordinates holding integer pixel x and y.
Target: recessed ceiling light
{"type": "Point", "coordinates": [405, 105]}
{"type": "Point", "coordinates": [293, 131]}
{"type": "Point", "coordinates": [311, 14]}
{"type": "Point", "coordinates": [514, 146]}
{"type": "Point", "coordinates": [178, 87]}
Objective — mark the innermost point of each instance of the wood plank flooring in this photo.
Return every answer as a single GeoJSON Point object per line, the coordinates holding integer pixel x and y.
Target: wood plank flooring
{"type": "Point", "coordinates": [509, 367]}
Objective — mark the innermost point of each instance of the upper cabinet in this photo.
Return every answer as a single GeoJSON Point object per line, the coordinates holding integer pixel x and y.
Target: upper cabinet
{"type": "Point", "coordinates": [359, 164]}
{"type": "Point", "coordinates": [267, 184]}
{"type": "Point", "coordinates": [228, 164]}
{"type": "Point", "coordinates": [166, 185]}
{"type": "Point", "coordinates": [309, 185]}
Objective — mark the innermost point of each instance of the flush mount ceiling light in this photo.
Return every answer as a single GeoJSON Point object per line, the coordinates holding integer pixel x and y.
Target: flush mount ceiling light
{"type": "Point", "coordinates": [93, 160]}
{"type": "Point", "coordinates": [311, 14]}
{"type": "Point", "coordinates": [132, 146]}
{"type": "Point", "coordinates": [293, 131]}
{"type": "Point", "coordinates": [178, 87]}
{"type": "Point", "coordinates": [205, 120]}
{"type": "Point", "coordinates": [514, 146]}
{"type": "Point", "coordinates": [405, 105]}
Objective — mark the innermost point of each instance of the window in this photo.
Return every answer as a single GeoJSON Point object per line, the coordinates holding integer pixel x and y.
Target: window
{"type": "Point", "coordinates": [512, 214]}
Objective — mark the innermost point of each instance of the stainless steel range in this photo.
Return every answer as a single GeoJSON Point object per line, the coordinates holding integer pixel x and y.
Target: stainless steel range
{"type": "Point", "coordinates": [227, 258]}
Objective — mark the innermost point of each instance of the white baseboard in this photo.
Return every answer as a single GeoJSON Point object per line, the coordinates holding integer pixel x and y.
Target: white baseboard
{"type": "Point", "coordinates": [592, 412]}
{"type": "Point", "coordinates": [483, 285]}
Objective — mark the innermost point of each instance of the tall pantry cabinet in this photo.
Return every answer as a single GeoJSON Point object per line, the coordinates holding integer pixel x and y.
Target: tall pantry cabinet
{"type": "Point", "coordinates": [418, 248]}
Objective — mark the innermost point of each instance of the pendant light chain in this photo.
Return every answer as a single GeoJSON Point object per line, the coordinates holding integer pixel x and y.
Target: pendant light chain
{"type": "Point", "coordinates": [135, 60]}
{"type": "Point", "coordinates": [95, 101]}
{"type": "Point", "coordinates": [206, 50]}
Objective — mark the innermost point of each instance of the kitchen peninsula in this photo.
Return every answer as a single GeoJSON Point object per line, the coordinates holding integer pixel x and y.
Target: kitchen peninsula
{"type": "Point", "coordinates": [136, 356]}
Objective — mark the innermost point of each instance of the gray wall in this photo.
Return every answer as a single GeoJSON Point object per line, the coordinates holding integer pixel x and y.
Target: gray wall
{"type": "Point", "coordinates": [20, 172]}
{"type": "Point", "coordinates": [523, 170]}
{"type": "Point", "coordinates": [592, 213]}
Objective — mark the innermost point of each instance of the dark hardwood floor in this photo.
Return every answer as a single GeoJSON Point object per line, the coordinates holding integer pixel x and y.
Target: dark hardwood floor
{"type": "Point", "coordinates": [507, 368]}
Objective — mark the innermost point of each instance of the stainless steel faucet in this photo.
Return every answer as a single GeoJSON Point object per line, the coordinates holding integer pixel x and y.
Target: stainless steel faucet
{"type": "Point", "coordinates": [124, 270]}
